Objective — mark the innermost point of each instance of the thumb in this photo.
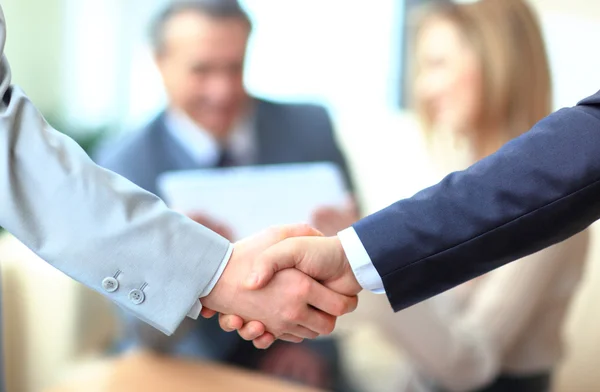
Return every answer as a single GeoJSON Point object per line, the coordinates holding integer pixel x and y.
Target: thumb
{"type": "Point", "coordinates": [275, 258]}
{"type": "Point", "coordinates": [207, 313]}
{"type": "Point", "coordinates": [282, 255]}
{"type": "Point", "coordinates": [297, 230]}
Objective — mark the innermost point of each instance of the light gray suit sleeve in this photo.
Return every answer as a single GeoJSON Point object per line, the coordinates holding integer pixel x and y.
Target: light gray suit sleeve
{"type": "Point", "coordinates": [90, 223]}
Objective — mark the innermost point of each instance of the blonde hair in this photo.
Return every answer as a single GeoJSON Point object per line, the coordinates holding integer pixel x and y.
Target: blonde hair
{"type": "Point", "coordinates": [506, 37]}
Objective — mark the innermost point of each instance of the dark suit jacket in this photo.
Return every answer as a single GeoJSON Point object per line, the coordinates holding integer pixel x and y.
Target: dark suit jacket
{"type": "Point", "coordinates": [537, 190]}
{"type": "Point", "coordinates": [285, 134]}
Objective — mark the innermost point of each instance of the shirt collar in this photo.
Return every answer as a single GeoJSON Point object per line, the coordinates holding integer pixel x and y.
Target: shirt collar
{"type": "Point", "coordinates": [204, 149]}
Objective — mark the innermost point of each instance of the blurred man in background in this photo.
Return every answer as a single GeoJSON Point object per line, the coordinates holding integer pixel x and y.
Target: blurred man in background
{"type": "Point", "coordinates": [211, 121]}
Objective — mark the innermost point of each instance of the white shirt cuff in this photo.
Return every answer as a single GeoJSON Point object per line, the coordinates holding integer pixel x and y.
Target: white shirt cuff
{"type": "Point", "coordinates": [360, 262]}
{"type": "Point", "coordinates": [197, 307]}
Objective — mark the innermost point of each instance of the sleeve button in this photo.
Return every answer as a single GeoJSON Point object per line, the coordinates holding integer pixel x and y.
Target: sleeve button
{"type": "Point", "coordinates": [136, 296]}
{"type": "Point", "coordinates": [110, 284]}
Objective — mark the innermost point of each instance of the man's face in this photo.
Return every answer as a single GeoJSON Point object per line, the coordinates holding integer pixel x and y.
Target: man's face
{"type": "Point", "coordinates": [202, 65]}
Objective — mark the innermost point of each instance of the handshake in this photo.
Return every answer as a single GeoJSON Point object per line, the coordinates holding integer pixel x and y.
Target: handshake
{"type": "Point", "coordinates": [289, 283]}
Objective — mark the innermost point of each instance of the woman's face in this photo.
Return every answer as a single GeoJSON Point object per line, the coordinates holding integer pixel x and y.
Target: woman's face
{"type": "Point", "coordinates": [448, 82]}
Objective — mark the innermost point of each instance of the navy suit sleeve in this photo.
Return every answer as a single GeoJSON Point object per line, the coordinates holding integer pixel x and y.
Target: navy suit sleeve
{"type": "Point", "coordinates": [539, 189]}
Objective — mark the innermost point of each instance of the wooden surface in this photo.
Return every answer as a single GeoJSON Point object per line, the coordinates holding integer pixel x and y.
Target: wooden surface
{"type": "Point", "coordinates": [148, 373]}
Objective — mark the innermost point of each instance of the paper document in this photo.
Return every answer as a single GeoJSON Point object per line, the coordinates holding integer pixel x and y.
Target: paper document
{"type": "Point", "coordinates": [251, 198]}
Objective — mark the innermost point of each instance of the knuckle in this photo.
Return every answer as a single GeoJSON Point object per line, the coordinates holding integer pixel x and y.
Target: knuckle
{"type": "Point", "coordinates": [225, 324]}
{"type": "Point", "coordinates": [329, 327]}
{"type": "Point", "coordinates": [303, 287]}
{"type": "Point", "coordinates": [244, 335]}
{"type": "Point", "coordinates": [255, 330]}
{"type": "Point", "coordinates": [304, 228]}
{"type": "Point", "coordinates": [340, 308]}
{"type": "Point", "coordinates": [267, 343]}
{"type": "Point", "coordinates": [251, 332]}
{"type": "Point", "coordinates": [259, 344]}
{"type": "Point", "coordinates": [293, 315]}
{"type": "Point", "coordinates": [273, 230]}
{"type": "Point", "coordinates": [344, 305]}
{"type": "Point", "coordinates": [279, 329]}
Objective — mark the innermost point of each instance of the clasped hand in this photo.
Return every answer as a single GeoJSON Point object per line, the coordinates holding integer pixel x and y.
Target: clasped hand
{"type": "Point", "coordinates": [287, 283]}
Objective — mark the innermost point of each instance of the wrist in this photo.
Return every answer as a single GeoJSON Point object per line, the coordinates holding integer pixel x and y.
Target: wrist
{"type": "Point", "coordinates": [217, 297]}
{"type": "Point", "coordinates": [351, 282]}
{"type": "Point", "coordinates": [219, 272]}
{"type": "Point", "coordinates": [340, 254]}
{"type": "Point", "coordinates": [362, 267]}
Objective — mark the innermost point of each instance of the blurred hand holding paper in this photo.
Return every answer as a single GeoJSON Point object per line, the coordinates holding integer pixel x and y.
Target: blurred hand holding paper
{"type": "Point", "coordinates": [251, 198]}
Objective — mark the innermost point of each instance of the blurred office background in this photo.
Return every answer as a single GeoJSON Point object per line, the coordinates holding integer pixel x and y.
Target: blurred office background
{"type": "Point", "coordinates": [87, 65]}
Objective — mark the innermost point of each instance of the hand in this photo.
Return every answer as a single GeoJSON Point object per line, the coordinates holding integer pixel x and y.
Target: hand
{"type": "Point", "coordinates": [323, 258]}
{"type": "Point", "coordinates": [291, 305]}
{"type": "Point", "coordinates": [332, 220]}
{"type": "Point", "coordinates": [297, 363]}
{"type": "Point", "coordinates": [216, 226]}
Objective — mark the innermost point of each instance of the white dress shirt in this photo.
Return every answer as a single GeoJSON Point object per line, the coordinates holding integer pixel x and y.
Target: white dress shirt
{"type": "Point", "coordinates": [358, 258]}
{"type": "Point", "coordinates": [204, 148]}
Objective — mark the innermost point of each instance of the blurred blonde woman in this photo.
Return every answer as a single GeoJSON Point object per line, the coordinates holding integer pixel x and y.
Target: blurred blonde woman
{"type": "Point", "coordinates": [481, 77]}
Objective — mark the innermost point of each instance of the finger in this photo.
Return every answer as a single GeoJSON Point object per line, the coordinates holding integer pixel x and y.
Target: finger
{"type": "Point", "coordinates": [223, 231]}
{"type": "Point", "coordinates": [321, 213]}
{"type": "Point", "coordinates": [351, 204]}
{"type": "Point", "coordinates": [304, 332]}
{"type": "Point", "coordinates": [201, 218]}
{"type": "Point", "coordinates": [322, 220]}
{"type": "Point", "coordinates": [210, 223]}
{"type": "Point", "coordinates": [265, 341]}
{"type": "Point", "coordinates": [290, 338]}
{"type": "Point", "coordinates": [329, 301]}
{"type": "Point", "coordinates": [315, 321]}
{"type": "Point", "coordinates": [297, 230]}
{"type": "Point", "coordinates": [230, 322]}
{"type": "Point", "coordinates": [265, 267]}
{"type": "Point", "coordinates": [282, 255]}
{"type": "Point", "coordinates": [207, 313]}
{"type": "Point", "coordinates": [252, 330]}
